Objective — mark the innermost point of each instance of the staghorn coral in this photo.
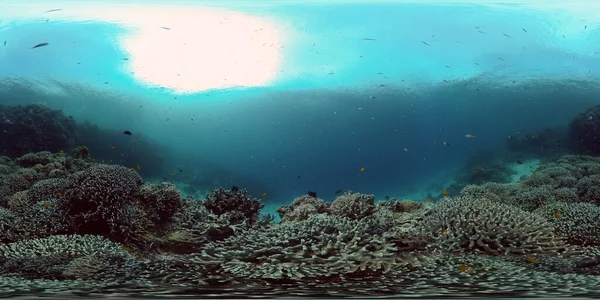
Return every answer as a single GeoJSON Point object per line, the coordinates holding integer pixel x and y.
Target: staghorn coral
{"type": "Point", "coordinates": [160, 201]}
{"type": "Point", "coordinates": [47, 257]}
{"type": "Point", "coordinates": [578, 222]}
{"type": "Point", "coordinates": [302, 208]}
{"type": "Point", "coordinates": [101, 266]}
{"type": "Point", "coordinates": [102, 199]}
{"type": "Point", "coordinates": [588, 188]}
{"type": "Point", "coordinates": [236, 205]}
{"type": "Point", "coordinates": [320, 246]}
{"type": "Point", "coordinates": [481, 225]}
{"type": "Point", "coordinates": [353, 205]}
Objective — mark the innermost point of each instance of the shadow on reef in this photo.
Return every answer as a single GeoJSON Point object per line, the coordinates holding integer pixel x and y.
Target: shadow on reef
{"type": "Point", "coordinates": [34, 128]}
{"type": "Point", "coordinates": [69, 224]}
{"type": "Point", "coordinates": [112, 146]}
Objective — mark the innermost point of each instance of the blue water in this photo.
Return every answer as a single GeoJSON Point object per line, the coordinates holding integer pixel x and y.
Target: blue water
{"type": "Point", "coordinates": [354, 85]}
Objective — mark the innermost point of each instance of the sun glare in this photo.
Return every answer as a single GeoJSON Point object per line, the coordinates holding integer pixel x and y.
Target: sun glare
{"type": "Point", "coordinates": [184, 48]}
{"type": "Point", "coordinates": [199, 50]}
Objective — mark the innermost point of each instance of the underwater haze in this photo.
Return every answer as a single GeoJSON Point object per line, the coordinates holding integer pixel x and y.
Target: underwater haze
{"type": "Point", "coordinates": [290, 102]}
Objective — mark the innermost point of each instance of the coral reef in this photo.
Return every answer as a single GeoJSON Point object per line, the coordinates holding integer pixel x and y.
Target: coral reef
{"type": "Point", "coordinates": [583, 135]}
{"type": "Point", "coordinates": [71, 224]}
{"type": "Point", "coordinates": [33, 128]}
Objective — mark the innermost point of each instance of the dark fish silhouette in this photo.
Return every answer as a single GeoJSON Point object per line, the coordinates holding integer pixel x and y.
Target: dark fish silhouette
{"type": "Point", "coordinates": [312, 194]}
{"type": "Point", "coordinates": [40, 45]}
{"type": "Point", "coordinates": [338, 192]}
{"type": "Point", "coordinates": [368, 39]}
{"type": "Point", "coordinates": [234, 188]}
{"type": "Point", "coordinates": [165, 28]}
{"type": "Point", "coordinates": [127, 132]}
{"type": "Point", "coordinates": [387, 197]}
{"type": "Point", "coordinates": [56, 9]}
{"type": "Point", "coordinates": [519, 161]}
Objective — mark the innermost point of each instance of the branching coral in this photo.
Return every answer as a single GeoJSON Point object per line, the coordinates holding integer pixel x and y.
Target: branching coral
{"type": "Point", "coordinates": [235, 204]}
{"type": "Point", "coordinates": [48, 257]}
{"type": "Point", "coordinates": [302, 208]}
{"type": "Point", "coordinates": [353, 205]}
{"type": "Point", "coordinates": [578, 222]}
{"type": "Point", "coordinates": [160, 201]}
{"type": "Point", "coordinates": [468, 224]}
{"type": "Point", "coordinates": [103, 199]}
{"type": "Point", "coordinates": [322, 245]}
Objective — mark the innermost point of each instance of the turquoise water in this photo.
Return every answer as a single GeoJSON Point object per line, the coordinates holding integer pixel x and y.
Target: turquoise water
{"type": "Point", "coordinates": [398, 100]}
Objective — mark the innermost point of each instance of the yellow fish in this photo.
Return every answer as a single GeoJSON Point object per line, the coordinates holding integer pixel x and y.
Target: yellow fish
{"type": "Point", "coordinates": [445, 192]}
{"type": "Point", "coordinates": [138, 167]}
{"type": "Point", "coordinates": [470, 136]}
{"type": "Point", "coordinates": [112, 148]}
{"type": "Point", "coordinates": [361, 170]}
{"type": "Point", "coordinates": [264, 195]}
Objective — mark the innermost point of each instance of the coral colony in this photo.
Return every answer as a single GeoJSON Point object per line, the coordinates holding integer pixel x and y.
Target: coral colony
{"type": "Point", "coordinates": [70, 224]}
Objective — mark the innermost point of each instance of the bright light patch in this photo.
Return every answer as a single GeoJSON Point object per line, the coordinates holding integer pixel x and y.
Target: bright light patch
{"type": "Point", "coordinates": [177, 46]}
{"type": "Point", "coordinates": [204, 49]}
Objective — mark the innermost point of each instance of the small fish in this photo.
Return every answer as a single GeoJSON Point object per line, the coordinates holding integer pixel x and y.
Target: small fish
{"type": "Point", "coordinates": [425, 159]}
{"type": "Point", "coordinates": [125, 58]}
{"type": "Point", "coordinates": [46, 205]}
{"type": "Point", "coordinates": [506, 35]}
{"type": "Point", "coordinates": [470, 136]}
{"type": "Point", "coordinates": [445, 192]}
{"type": "Point", "coordinates": [112, 148]}
{"type": "Point", "coordinates": [481, 31]}
{"type": "Point", "coordinates": [264, 195]}
{"type": "Point", "coordinates": [180, 171]}
{"type": "Point", "coordinates": [337, 192]}
{"type": "Point", "coordinates": [40, 45]}
{"type": "Point", "coordinates": [138, 167]}
{"type": "Point", "coordinates": [361, 170]}
{"type": "Point", "coordinates": [557, 215]}
{"type": "Point", "coordinates": [62, 151]}
{"type": "Point", "coordinates": [500, 58]}
{"type": "Point", "coordinates": [519, 162]}
{"type": "Point", "coordinates": [425, 43]}
{"type": "Point", "coordinates": [52, 10]}
{"type": "Point", "coordinates": [127, 132]}
{"type": "Point", "coordinates": [132, 169]}
{"type": "Point", "coordinates": [165, 28]}
{"type": "Point", "coordinates": [234, 188]}
{"type": "Point", "coordinates": [47, 20]}
{"type": "Point", "coordinates": [428, 200]}
{"type": "Point", "coordinates": [387, 197]}
{"type": "Point", "coordinates": [369, 39]}
{"type": "Point", "coordinates": [532, 260]}
{"type": "Point", "coordinates": [405, 149]}
{"type": "Point", "coordinates": [312, 194]}
{"type": "Point", "coordinates": [524, 30]}
{"type": "Point", "coordinates": [59, 195]}
{"type": "Point", "coordinates": [446, 144]}
{"type": "Point", "coordinates": [585, 27]}
{"type": "Point", "coordinates": [127, 249]}
{"type": "Point", "coordinates": [463, 268]}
